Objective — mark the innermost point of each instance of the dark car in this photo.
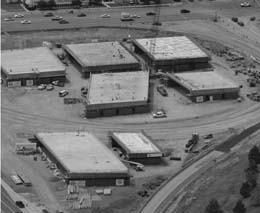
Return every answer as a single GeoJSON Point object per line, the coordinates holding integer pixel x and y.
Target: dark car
{"type": "Point", "coordinates": [162, 91]}
{"type": "Point", "coordinates": [150, 13]}
{"type": "Point", "coordinates": [82, 15]}
{"type": "Point", "coordinates": [185, 11]}
{"type": "Point", "coordinates": [48, 14]}
{"type": "Point", "coordinates": [20, 204]}
{"type": "Point", "coordinates": [63, 22]}
{"type": "Point", "coordinates": [157, 23]}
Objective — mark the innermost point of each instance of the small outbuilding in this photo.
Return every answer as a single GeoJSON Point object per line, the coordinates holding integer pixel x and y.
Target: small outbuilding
{"type": "Point", "coordinates": [176, 54]}
{"type": "Point", "coordinates": [32, 66]}
{"type": "Point", "coordinates": [101, 57]}
{"type": "Point", "coordinates": [205, 86]}
{"type": "Point", "coordinates": [81, 156]}
{"type": "Point", "coordinates": [137, 146]}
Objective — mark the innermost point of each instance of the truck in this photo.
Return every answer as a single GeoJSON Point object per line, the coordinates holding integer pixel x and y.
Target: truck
{"type": "Point", "coordinates": [192, 142]}
{"type": "Point", "coordinates": [126, 17]}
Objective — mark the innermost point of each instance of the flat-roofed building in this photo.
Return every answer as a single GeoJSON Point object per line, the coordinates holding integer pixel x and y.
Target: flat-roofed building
{"type": "Point", "coordinates": [177, 53]}
{"type": "Point", "coordinates": [119, 93]}
{"type": "Point", "coordinates": [27, 67]}
{"type": "Point", "coordinates": [137, 147]}
{"type": "Point", "coordinates": [81, 156]}
{"type": "Point", "coordinates": [205, 86]}
{"type": "Point", "coordinates": [101, 57]}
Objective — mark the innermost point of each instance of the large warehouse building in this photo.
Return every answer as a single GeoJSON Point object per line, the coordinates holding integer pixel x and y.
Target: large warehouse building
{"type": "Point", "coordinates": [205, 86]}
{"type": "Point", "coordinates": [172, 53]}
{"type": "Point", "coordinates": [81, 156]}
{"type": "Point", "coordinates": [27, 67]}
{"type": "Point", "coordinates": [101, 57]}
{"type": "Point", "coordinates": [137, 147]}
{"type": "Point", "coordinates": [119, 93]}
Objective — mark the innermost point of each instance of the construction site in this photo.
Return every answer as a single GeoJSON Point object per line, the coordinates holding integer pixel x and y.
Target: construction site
{"type": "Point", "coordinates": [153, 113]}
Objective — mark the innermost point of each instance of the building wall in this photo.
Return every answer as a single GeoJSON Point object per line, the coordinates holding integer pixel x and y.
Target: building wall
{"type": "Point", "coordinates": [213, 97]}
{"type": "Point", "coordinates": [107, 181]}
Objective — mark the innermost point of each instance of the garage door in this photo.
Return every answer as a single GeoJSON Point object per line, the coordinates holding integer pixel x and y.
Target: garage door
{"type": "Point", "coordinates": [14, 84]}
{"type": "Point", "coordinates": [29, 83]}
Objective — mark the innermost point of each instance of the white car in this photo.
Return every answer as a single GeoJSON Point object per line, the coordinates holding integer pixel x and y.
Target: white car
{"type": "Point", "coordinates": [8, 19]}
{"type": "Point", "coordinates": [19, 15]}
{"type": "Point", "coordinates": [26, 22]}
{"type": "Point", "coordinates": [159, 114]}
{"type": "Point", "coordinates": [105, 16]}
{"type": "Point", "coordinates": [245, 4]}
{"type": "Point", "coordinates": [135, 16]}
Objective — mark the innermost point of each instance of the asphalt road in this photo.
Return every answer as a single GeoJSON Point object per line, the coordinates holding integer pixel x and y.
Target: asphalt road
{"type": "Point", "coordinates": [7, 205]}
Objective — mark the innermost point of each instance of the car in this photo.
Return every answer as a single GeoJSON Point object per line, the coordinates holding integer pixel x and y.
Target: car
{"type": "Point", "coordinates": [245, 4]}
{"type": "Point", "coordinates": [8, 19]}
{"type": "Point", "coordinates": [63, 93]}
{"type": "Point", "coordinates": [81, 15]}
{"type": "Point", "coordinates": [57, 18]}
{"type": "Point", "coordinates": [41, 87]}
{"type": "Point", "coordinates": [63, 21]}
{"type": "Point", "coordinates": [84, 90]}
{"type": "Point", "coordinates": [105, 16]}
{"type": "Point", "coordinates": [185, 11]}
{"type": "Point", "coordinates": [157, 23]}
{"type": "Point", "coordinates": [160, 114]}
{"type": "Point", "coordinates": [162, 90]}
{"type": "Point", "coordinates": [26, 22]}
{"type": "Point", "coordinates": [208, 136]}
{"type": "Point", "coordinates": [71, 11]}
{"type": "Point", "coordinates": [19, 15]}
{"type": "Point", "coordinates": [48, 14]}
{"type": "Point", "coordinates": [49, 87]}
{"type": "Point", "coordinates": [20, 204]}
{"type": "Point", "coordinates": [58, 83]}
{"type": "Point", "coordinates": [150, 13]}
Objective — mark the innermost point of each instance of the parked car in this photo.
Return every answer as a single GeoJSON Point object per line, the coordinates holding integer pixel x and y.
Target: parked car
{"type": "Point", "coordinates": [49, 87]}
{"type": "Point", "coordinates": [245, 4]}
{"type": "Point", "coordinates": [63, 21]}
{"type": "Point", "coordinates": [162, 90]}
{"type": "Point", "coordinates": [57, 18]}
{"type": "Point", "coordinates": [26, 22]}
{"type": "Point", "coordinates": [105, 16]}
{"type": "Point", "coordinates": [19, 15]}
{"type": "Point", "coordinates": [150, 13]}
{"type": "Point", "coordinates": [159, 114]}
{"type": "Point", "coordinates": [20, 204]}
{"type": "Point", "coordinates": [41, 87]}
{"type": "Point", "coordinates": [48, 14]}
{"type": "Point", "coordinates": [157, 23]}
{"type": "Point", "coordinates": [8, 19]}
{"type": "Point", "coordinates": [63, 93]}
{"type": "Point", "coordinates": [84, 90]}
{"type": "Point", "coordinates": [71, 11]}
{"type": "Point", "coordinates": [185, 11]}
{"type": "Point", "coordinates": [81, 15]}
{"type": "Point", "coordinates": [58, 83]}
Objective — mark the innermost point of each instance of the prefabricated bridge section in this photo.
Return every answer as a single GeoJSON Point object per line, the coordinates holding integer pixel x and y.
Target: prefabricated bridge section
{"type": "Point", "coordinates": [205, 86]}
{"type": "Point", "coordinates": [81, 156]}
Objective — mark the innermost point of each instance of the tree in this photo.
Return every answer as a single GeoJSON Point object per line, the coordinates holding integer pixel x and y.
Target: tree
{"type": "Point", "coordinates": [76, 3]}
{"type": "Point", "coordinates": [51, 4]}
{"type": "Point", "coordinates": [254, 154]}
{"type": "Point", "coordinates": [213, 207]}
{"type": "Point", "coordinates": [252, 165]}
{"type": "Point", "coordinates": [239, 208]}
{"type": "Point", "coordinates": [42, 4]}
{"type": "Point", "coordinates": [255, 198]}
{"type": "Point", "coordinates": [245, 190]}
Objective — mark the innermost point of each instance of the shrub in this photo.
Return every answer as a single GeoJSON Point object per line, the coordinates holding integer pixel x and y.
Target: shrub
{"type": "Point", "coordinates": [240, 23]}
{"type": "Point", "coordinates": [245, 190]}
{"type": "Point", "coordinates": [234, 19]}
{"type": "Point", "coordinates": [252, 18]}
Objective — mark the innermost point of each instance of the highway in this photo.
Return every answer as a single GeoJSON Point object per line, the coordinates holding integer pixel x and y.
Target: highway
{"type": "Point", "coordinates": [7, 204]}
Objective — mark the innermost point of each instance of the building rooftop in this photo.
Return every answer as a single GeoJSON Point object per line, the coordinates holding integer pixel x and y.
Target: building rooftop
{"type": "Point", "coordinates": [34, 60]}
{"type": "Point", "coordinates": [169, 48]}
{"type": "Point", "coordinates": [101, 54]}
{"type": "Point", "coordinates": [81, 153]}
{"type": "Point", "coordinates": [203, 81]}
{"type": "Point", "coordinates": [119, 87]}
{"type": "Point", "coordinates": [135, 142]}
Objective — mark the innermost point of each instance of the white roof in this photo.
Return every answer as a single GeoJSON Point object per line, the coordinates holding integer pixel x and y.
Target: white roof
{"type": "Point", "coordinates": [119, 87]}
{"type": "Point", "coordinates": [101, 54]}
{"type": "Point", "coordinates": [82, 153]}
{"type": "Point", "coordinates": [136, 142]}
{"type": "Point", "coordinates": [167, 48]}
{"type": "Point", "coordinates": [31, 60]}
{"type": "Point", "coordinates": [205, 80]}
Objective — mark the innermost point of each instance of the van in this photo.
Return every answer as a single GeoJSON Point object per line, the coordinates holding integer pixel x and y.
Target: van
{"type": "Point", "coordinates": [63, 93]}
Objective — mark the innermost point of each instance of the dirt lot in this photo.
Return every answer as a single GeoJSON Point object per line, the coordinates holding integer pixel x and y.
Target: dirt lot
{"type": "Point", "coordinates": [27, 110]}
